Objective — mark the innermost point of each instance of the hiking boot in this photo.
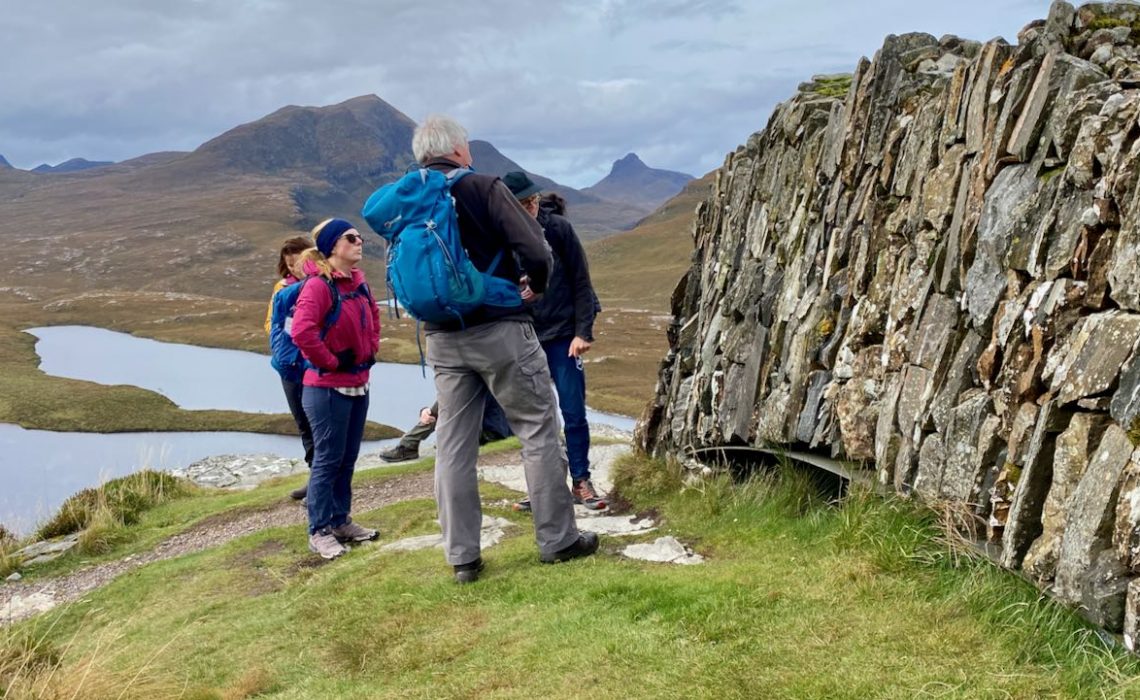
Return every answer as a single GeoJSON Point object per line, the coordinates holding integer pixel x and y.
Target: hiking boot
{"type": "Point", "coordinates": [323, 542]}
{"type": "Point", "coordinates": [469, 572]}
{"type": "Point", "coordinates": [522, 506]}
{"type": "Point", "coordinates": [586, 545]}
{"type": "Point", "coordinates": [585, 494]}
{"type": "Point", "coordinates": [299, 494]}
{"type": "Point", "coordinates": [351, 532]}
{"type": "Point", "coordinates": [399, 453]}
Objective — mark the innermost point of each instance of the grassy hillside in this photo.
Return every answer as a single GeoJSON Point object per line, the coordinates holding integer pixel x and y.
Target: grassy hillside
{"type": "Point", "coordinates": [639, 268]}
{"type": "Point", "coordinates": [789, 604]}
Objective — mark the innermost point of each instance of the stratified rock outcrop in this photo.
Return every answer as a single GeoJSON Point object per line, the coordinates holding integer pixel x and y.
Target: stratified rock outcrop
{"type": "Point", "coordinates": [934, 269]}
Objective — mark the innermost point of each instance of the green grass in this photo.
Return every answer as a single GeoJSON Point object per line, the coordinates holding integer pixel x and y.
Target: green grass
{"type": "Point", "coordinates": [798, 599]}
{"type": "Point", "coordinates": [121, 501]}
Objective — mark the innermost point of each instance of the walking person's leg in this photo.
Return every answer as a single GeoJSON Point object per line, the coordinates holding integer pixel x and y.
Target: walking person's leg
{"type": "Point", "coordinates": [328, 413]}
{"type": "Point", "coordinates": [293, 391]}
{"type": "Point", "coordinates": [515, 370]}
{"type": "Point", "coordinates": [570, 382]}
{"type": "Point", "coordinates": [343, 527]}
{"type": "Point", "coordinates": [409, 445]}
{"type": "Point", "coordinates": [460, 393]}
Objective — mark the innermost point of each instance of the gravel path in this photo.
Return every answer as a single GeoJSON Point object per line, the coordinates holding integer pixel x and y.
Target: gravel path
{"type": "Point", "coordinates": [20, 600]}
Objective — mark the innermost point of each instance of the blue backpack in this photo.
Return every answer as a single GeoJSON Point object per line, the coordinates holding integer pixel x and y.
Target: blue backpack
{"type": "Point", "coordinates": [286, 356]}
{"type": "Point", "coordinates": [429, 272]}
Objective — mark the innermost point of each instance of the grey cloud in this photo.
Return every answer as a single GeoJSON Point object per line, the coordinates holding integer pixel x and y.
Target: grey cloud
{"type": "Point", "coordinates": [565, 89]}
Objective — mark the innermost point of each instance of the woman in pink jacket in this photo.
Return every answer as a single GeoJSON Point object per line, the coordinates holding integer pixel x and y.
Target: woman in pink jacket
{"type": "Point", "coordinates": [336, 325]}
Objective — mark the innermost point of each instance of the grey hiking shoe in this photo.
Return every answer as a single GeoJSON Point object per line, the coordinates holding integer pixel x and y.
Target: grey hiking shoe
{"type": "Point", "coordinates": [351, 532]}
{"type": "Point", "coordinates": [324, 543]}
{"type": "Point", "coordinates": [585, 494]}
{"type": "Point", "coordinates": [399, 453]}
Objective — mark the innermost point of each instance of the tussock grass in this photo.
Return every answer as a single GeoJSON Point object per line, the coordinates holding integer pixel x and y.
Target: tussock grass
{"type": "Point", "coordinates": [113, 504]}
{"type": "Point", "coordinates": [799, 598]}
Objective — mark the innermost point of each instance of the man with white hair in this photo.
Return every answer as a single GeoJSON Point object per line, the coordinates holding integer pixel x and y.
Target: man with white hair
{"type": "Point", "coordinates": [494, 348]}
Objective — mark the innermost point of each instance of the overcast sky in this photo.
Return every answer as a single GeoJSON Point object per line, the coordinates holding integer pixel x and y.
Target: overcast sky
{"type": "Point", "coordinates": [564, 88]}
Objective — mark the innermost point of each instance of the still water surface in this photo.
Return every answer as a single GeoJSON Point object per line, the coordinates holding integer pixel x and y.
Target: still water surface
{"type": "Point", "coordinates": [39, 469]}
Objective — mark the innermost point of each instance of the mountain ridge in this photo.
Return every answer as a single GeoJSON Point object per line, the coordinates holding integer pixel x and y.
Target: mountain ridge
{"type": "Point", "coordinates": [631, 181]}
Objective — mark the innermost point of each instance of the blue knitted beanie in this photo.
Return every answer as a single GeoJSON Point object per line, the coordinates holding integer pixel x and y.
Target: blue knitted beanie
{"type": "Point", "coordinates": [327, 232]}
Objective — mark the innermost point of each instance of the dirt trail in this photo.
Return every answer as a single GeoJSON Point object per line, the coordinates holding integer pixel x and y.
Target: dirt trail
{"type": "Point", "coordinates": [20, 600]}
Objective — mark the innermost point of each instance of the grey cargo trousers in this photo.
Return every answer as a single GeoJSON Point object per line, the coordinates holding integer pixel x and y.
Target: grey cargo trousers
{"type": "Point", "coordinates": [505, 358]}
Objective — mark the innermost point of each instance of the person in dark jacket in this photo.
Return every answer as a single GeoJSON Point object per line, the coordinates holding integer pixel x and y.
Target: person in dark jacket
{"type": "Point", "coordinates": [341, 347]}
{"type": "Point", "coordinates": [286, 357]}
{"type": "Point", "coordinates": [494, 349]}
{"type": "Point", "coordinates": [564, 320]}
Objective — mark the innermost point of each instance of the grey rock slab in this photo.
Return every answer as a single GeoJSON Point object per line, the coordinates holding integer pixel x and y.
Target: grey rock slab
{"type": "Point", "coordinates": [48, 548]}
{"type": "Point", "coordinates": [665, 550]}
{"type": "Point", "coordinates": [602, 458]}
{"type": "Point", "coordinates": [1125, 406]}
{"type": "Point", "coordinates": [970, 446]}
{"type": "Point", "coordinates": [1023, 525]}
{"type": "Point", "coordinates": [239, 471]}
{"type": "Point", "coordinates": [491, 533]}
{"type": "Point", "coordinates": [1071, 453]}
{"type": "Point", "coordinates": [1090, 360]}
{"type": "Point", "coordinates": [616, 525]}
{"type": "Point", "coordinates": [1132, 616]}
{"type": "Point", "coordinates": [1006, 207]}
{"type": "Point", "coordinates": [19, 607]}
{"type": "Point", "coordinates": [14, 577]}
{"type": "Point", "coordinates": [1090, 517]}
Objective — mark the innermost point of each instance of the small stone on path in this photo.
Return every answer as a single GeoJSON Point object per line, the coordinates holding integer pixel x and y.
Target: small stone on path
{"type": "Point", "coordinates": [20, 607]}
{"type": "Point", "coordinates": [14, 577]}
{"type": "Point", "coordinates": [666, 550]}
{"type": "Point", "coordinates": [490, 534]}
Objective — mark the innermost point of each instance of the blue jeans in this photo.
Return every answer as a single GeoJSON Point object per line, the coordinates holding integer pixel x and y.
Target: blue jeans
{"type": "Point", "coordinates": [338, 425]}
{"type": "Point", "coordinates": [570, 383]}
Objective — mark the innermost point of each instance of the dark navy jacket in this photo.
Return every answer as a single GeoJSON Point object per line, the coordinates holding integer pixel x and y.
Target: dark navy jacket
{"type": "Point", "coordinates": [569, 305]}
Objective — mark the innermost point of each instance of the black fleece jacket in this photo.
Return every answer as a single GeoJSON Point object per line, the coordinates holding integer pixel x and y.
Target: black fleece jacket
{"type": "Point", "coordinates": [569, 305]}
{"type": "Point", "coordinates": [490, 221]}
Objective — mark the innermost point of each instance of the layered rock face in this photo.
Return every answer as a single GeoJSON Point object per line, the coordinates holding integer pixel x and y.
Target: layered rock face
{"type": "Point", "coordinates": [933, 269]}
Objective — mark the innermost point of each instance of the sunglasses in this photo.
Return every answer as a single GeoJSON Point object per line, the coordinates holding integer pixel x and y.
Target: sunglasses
{"type": "Point", "coordinates": [353, 238]}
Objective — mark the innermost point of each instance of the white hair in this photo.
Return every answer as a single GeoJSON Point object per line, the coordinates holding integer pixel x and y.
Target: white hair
{"type": "Point", "coordinates": [438, 135]}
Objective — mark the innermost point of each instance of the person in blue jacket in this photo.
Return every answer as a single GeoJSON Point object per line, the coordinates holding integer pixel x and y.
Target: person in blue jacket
{"type": "Point", "coordinates": [286, 357]}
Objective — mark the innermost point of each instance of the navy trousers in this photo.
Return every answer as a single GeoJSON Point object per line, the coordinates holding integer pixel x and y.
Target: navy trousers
{"type": "Point", "coordinates": [338, 426]}
{"type": "Point", "coordinates": [570, 383]}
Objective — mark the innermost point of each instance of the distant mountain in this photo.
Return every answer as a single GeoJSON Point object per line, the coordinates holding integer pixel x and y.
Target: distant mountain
{"type": "Point", "coordinates": [633, 182]}
{"type": "Point", "coordinates": [363, 138]}
{"type": "Point", "coordinates": [72, 166]}
{"type": "Point", "coordinates": [592, 216]}
{"type": "Point", "coordinates": [4, 162]}
{"type": "Point", "coordinates": [209, 222]}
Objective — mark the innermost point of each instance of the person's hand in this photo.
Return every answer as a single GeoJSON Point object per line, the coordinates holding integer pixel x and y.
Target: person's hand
{"type": "Point", "coordinates": [525, 291]}
{"type": "Point", "coordinates": [345, 360]}
{"type": "Point", "coordinates": [426, 417]}
{"type": "Point", "coordinates": [578, 347]}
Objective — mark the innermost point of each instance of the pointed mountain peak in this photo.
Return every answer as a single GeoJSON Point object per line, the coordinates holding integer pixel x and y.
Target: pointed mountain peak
{"type": "Point", "coordinates": [631, 181]}
{"type": "Point", "coordinates": [4, 162]}
{"type": "Point", "coordinates": [628, 164]}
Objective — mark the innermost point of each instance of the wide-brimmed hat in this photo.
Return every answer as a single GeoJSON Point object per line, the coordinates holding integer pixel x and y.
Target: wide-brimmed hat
{"type": "Point", "coordinates": [520, 184]}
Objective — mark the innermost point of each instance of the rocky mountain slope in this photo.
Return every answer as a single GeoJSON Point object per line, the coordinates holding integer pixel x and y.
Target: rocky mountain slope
{"type": "Point", "coordinates": [593, 216]}
{"type": "Point", "coordinates": [931, 267]}
{"type": "Point", "coordinates": [633, 182]}
{"type": "Point", "coordinates": [73, 165]}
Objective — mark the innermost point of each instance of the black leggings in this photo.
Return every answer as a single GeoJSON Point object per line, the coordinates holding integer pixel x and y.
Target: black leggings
{"type": "Point", "coordinates": [293, 396]}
